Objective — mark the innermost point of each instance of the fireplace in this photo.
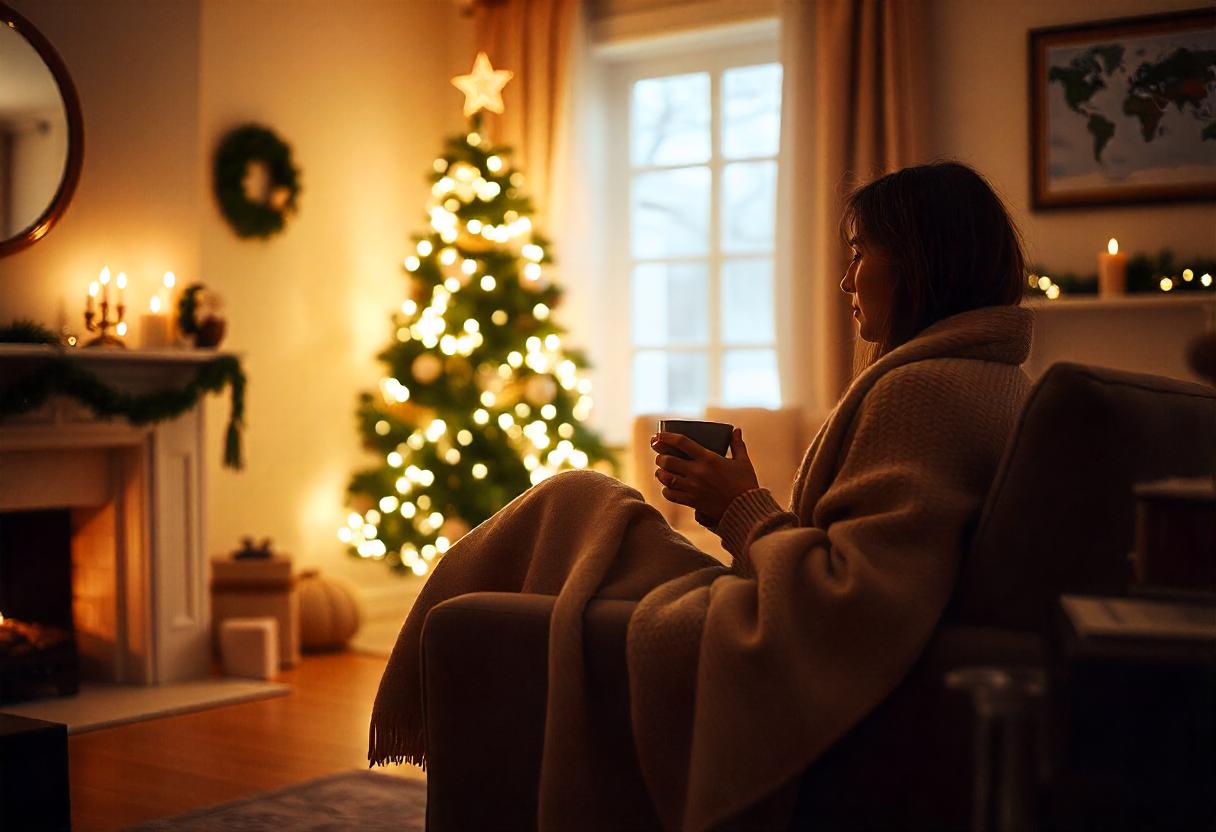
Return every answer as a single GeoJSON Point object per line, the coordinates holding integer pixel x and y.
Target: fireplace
{"type": "Point", "coordinates": [117, 509]}
{"type": "Point", "coordinates": [37, 643]}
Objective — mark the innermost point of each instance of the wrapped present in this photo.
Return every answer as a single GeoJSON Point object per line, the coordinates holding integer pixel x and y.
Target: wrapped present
{"type": "Point", "coordinates": [256, 588]}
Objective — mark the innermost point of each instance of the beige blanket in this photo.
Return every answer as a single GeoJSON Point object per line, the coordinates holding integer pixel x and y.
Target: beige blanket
{"type": "Point", "coordinates": [739, 678]}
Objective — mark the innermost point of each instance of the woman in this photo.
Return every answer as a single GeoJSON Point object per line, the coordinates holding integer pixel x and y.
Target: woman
{"type": "Point", "coordinates": [740, 677]}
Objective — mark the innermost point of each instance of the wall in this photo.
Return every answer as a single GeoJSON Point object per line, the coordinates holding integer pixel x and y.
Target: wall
{"type": "Point", "coordinates": [980, 115]}
{"type": "Point", "coordinates": [364, 99]}
{"type": "Point", "coordinates": [981, 112]}
{"type": "Point", "coordinates": [135, 64]}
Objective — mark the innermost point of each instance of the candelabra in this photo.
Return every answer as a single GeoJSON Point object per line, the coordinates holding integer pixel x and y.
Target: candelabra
{"type": "Point", "coordinates": [103, 325]}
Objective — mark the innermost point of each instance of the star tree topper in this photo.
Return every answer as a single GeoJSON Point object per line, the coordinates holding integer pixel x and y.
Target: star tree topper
{"type": "Point", "coordinates": [482, 87]}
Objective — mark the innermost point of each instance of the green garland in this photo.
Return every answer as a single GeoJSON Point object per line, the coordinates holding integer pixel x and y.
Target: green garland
{"type": "Point", "coordinates": [64, 376]}
{"type": "Point", "coordinates": [26, 331]}
{"type": "Point", "coordinates": [254, 143]}
{"type": "Point", "coordinates": [1144, 276]}
{"type": "Point", "coordinates": [186, 309]}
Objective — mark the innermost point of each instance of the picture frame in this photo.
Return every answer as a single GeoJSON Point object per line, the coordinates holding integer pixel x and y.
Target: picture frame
{"type": "Point", "coordinates": [1123, 111]}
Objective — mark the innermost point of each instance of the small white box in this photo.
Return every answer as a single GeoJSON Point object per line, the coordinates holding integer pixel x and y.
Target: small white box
{"type": "Point", "coordinates": [250, 647]}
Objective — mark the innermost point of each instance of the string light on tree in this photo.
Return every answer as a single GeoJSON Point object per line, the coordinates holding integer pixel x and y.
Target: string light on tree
{"type": "Point", "coordinates": [480, 396]}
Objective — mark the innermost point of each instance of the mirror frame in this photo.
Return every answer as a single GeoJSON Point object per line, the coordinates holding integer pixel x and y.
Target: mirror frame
{"type": "Point", "coordinates": [71, 105]}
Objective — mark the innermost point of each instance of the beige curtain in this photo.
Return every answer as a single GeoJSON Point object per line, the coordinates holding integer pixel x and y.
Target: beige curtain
{"type": "Point", "coordinates": [854, 106]}
{"type": "Point", "coordinates": [535, 40]}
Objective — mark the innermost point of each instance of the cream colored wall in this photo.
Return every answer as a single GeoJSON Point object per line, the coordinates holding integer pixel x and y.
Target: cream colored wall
{"type": "Point", "coordinates": [361, 92]}
{"type": "Point", "coordinates": [135, 66]}
{"type": "Point", "coordinates": [980, 115]}
{"type": "Point", "coordinates": [363, 98]}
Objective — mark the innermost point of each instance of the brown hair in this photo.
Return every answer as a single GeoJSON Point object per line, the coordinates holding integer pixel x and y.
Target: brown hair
{"type": "Point", "coordinates": [954, 245]}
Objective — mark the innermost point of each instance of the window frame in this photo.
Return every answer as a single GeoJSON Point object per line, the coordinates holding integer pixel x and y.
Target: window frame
{"type": "Point", "coordinates": [752, 46]}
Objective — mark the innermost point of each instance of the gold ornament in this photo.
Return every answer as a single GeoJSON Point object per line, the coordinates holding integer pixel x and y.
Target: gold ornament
{"type": "Point", "coordinates": [458, 368]}
{"type": "Point", "coordinates": [482, 87]}
{"type": "Point", "coordinates": [476, 243]}
{"type": "Point", "coordinates": [426, 367]}
{"type": "Point", "coordinates": [540, 389]}
{"type": "Point", "coordinates": [453, 529]}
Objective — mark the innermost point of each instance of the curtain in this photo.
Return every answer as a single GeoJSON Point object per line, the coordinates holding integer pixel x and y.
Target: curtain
{"type": "Point", "coordinates": [535, 40]}
{"type": "Point", "coordinates": [854, 106]}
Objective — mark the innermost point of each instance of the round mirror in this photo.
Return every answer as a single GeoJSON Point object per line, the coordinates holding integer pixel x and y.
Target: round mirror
{"type": "Point", "coordinates": [41, 135]}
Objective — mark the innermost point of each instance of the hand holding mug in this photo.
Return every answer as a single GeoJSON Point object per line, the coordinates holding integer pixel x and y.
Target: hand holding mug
{"type": "Point", "coordinates": [704, 481]}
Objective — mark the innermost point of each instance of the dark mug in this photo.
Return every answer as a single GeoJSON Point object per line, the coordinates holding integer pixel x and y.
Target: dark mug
{"type": "Point", "coordinates": [713, 435]}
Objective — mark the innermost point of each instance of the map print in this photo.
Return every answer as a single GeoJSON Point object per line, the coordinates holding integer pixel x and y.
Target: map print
{"type": "Point", "coordinates": [1139, 111]}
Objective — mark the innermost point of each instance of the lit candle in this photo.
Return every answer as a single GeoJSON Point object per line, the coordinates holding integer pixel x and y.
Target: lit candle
{"type": "Point", "coordinates": [155, 327]}
{"type": "Point", "coordinates": [93, 290]}
{"type": "Point", "coordinates": [121, 282]}
{"type": "Point", "coordinates": [104, 279]}
{"type": "Point", "coordinates": [167, 303]}
{"type": "Point", "coordinates": [1112, 271]}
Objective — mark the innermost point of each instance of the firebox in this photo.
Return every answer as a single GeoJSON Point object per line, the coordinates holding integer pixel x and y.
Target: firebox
{"type": "Point", "coordinates": [38, 655]}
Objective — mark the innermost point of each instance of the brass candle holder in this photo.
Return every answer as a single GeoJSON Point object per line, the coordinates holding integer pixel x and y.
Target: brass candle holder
{"type": "Point", "coordinates": [103, 325]}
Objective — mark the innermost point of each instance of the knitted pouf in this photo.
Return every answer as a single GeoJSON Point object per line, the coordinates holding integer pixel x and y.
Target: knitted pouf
{"type": "Point", "coordinates": [329, 611]}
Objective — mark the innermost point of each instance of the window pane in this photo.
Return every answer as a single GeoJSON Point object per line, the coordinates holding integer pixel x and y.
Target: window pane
{"type": "Point", "coordinates": [670, 304]}
{"type": "Point", "coordinates": [747, 302]}
{"type": "Point", "coordinates": [749, 206]}
{"type": "Point", "coordinates": [749, 379]}
{"type": "Point", "coordinates": [669, 121]}
{"type": "Point", "coordinates": [669, 213]}
{"type": "Point", "coordinates": [751, 111]}
{"type": "Point", "coordinates": [670, 382]}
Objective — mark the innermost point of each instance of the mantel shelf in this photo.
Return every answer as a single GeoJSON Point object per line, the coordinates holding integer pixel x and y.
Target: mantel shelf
{"type": "Point", "coordinates": [111, 357]}
{"type": "Point", "coordinates": [1127, 302]}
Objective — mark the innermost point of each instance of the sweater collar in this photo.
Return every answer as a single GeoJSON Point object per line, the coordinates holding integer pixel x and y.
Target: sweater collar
{"type": "Point", "coordinates": [991, 333]}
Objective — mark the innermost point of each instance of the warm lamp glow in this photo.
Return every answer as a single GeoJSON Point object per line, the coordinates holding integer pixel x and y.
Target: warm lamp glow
{"type": "Point", "coordinates": [170, 280]}
{"type": "Point", "coordinates": [154, 305]}
{"type": "Point", "coordinates": [1113, 246]}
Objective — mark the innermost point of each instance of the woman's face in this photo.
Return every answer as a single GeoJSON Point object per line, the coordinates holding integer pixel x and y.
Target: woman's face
{"type": "Point", "coordinates": [870, 279]}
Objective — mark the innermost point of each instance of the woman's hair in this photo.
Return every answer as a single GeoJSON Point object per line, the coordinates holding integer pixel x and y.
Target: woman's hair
{"type": "Point", "coordinates": [953, 244]}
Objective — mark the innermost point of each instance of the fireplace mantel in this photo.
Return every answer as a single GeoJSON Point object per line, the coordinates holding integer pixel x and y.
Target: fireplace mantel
{"type": "Point", "coordinates": [139, 490]}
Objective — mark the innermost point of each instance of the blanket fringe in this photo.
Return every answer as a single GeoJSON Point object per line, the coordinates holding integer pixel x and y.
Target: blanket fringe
{"type": "Point", "coordinates": [388, 744]}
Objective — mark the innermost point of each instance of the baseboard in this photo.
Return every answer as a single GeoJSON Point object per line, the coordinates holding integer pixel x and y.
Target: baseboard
{"type": "Point", "coordinates": [392, 600]}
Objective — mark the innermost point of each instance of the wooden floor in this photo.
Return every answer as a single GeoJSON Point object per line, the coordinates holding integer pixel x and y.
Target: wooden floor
{"type": "Point", "coordinates": [133, 773]}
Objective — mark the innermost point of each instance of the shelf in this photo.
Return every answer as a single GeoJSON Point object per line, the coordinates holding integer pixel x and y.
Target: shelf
{"type": "Point", "coordinates": [1128, 302]}
{"type": "Point", "coordinates": [86, 355]}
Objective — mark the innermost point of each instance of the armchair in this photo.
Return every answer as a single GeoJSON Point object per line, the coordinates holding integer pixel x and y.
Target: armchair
{"type": "Point", "coordinates": [1058, 519]}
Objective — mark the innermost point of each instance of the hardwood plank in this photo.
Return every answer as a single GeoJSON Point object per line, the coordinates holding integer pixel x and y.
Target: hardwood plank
{"type": "Point", "coordinates": [133, 773]}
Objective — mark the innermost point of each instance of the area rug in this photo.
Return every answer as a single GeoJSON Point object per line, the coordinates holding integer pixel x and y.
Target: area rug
{"type": "Point", "coordinates": [356, 800]}
{"type": "Point", "coordinates": [104, 706]}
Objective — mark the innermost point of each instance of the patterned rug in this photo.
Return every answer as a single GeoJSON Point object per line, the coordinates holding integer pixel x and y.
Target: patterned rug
{"type": "Point", "coordinates": [356, 800]}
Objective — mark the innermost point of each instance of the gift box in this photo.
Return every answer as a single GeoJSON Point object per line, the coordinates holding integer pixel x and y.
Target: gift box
{"type": "Point", "coordinates": [258, 588]}
{"type": "Point", "coordinates": [249, 647]}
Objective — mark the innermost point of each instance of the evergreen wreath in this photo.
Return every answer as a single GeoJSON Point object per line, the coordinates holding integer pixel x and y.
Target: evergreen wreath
{"type": "Point", "coordinates": [65, 376]}
{"type": "Point", "coordinates": [253, 143]}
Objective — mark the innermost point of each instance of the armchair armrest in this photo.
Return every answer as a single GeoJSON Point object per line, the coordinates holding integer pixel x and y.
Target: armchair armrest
{"type": "Point", "coordinates": [485, 681]}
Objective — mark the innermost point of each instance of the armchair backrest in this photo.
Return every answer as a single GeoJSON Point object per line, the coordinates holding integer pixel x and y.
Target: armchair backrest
{"type": "Point", "coordinates": [1061, 513]}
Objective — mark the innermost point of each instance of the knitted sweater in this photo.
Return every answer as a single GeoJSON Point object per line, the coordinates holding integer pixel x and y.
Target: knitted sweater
{"type": "Point", "coordinates": [739, 678]}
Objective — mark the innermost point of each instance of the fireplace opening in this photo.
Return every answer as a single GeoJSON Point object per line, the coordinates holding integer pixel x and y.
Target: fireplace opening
{"type": "Point", "coordinates": [38, 655]}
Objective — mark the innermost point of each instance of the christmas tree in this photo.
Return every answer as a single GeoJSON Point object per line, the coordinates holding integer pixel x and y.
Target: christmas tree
{"type": "Point", "coordinates": [480, 399]}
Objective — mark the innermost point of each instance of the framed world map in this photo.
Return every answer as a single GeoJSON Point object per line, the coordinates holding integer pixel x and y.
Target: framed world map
{"type": "Point", "coordinates": [1124, 111]}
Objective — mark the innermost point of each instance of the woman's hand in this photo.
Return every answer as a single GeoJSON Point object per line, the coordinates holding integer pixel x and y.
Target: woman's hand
{"type": "Point", "coordinates": [706, 482]}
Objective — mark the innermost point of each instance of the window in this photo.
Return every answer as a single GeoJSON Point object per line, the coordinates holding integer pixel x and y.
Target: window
{"type": "Point", "coordinates": [694, 176]}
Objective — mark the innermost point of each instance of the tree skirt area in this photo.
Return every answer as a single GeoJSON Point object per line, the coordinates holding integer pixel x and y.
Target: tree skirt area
{"type": "Point", "coordinates": [362, 800]}
{"type": "Point", "coordinates": [104, 706]}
